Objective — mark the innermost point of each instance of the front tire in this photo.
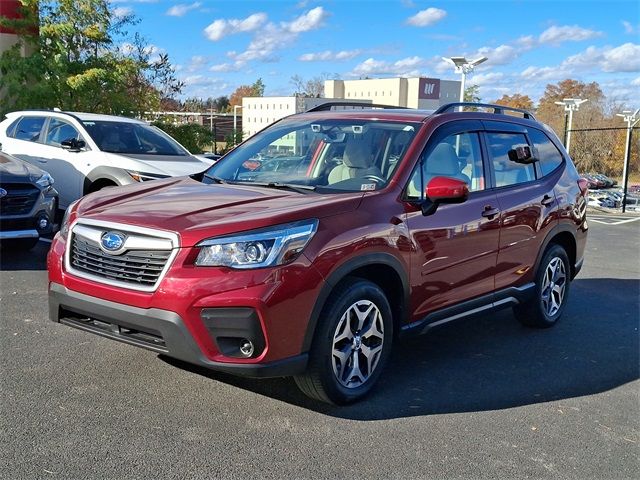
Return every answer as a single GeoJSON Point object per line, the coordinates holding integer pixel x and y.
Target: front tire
{"type": "Point", "coordinates": [351, 345]}
{"type": "Point", "coordinates": [553, 279]}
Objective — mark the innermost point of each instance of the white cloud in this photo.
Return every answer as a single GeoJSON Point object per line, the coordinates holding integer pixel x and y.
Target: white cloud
{"type": "Point", "coordinates": [228, 67]}
{"type": "Point", "coordinates": [181, 9]}
{"type": "Point", "coordinates": [221, 28]}
{"type": "Point", "coordinates": [426, 18]}
{"type": "Point", "coordinates": [623, 58]}
{"type": "Point", "coordinates": [272, 37]}
{"type": "Point", "coordinates": [307, 21]}
{"type": "Point", "coordinates": [486, 78]}
{"type": "Point", "coordinates": [406, 67]}
{"type": "Point", "coordinates": [329, 55]}
{"type": "Point", "coordinates": [636, 82]}
{"type": "Point", "coordinates": [629, 28]}
{"type": "Point", "coordinates": [121, 12]}
{"type": "Point", "coordinates": [196, 63]}
{"type": "Point", "coordinates": [501, 55]}
{"type": "Point", "coordinates": [567, 33]}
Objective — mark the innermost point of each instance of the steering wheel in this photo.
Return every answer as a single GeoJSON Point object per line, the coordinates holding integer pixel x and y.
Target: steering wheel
{"type": "Point", "coordinates": [375, 178]}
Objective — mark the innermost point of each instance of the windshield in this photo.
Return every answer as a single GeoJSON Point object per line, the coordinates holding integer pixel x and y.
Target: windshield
{"type": "Point", "coordinates": [330, 155]}
{"type": "Point", "coordinates": [128, 137]}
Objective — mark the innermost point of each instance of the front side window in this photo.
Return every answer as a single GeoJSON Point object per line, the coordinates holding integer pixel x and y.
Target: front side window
{"type": "Point", "coordinates": [507, 171]}
{"type": "Point", "coordinates": [132, 138]}
{"type": "Point", "coordinates": [332, 155]}
{"type": "Point", "coordinates": [29, 128]}
{"type": "Point", "coordinates": [549, 158]}
{"type": "Point", "coordinates": [456, 156]}
{"type": "Point", "coordinates": [59, 131]}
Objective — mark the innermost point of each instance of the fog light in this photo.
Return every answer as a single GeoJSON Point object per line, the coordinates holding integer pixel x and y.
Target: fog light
{"type": "Point", "coordinates": [43, 223]}
{"type": "Point", "coordinates": [246, 348]}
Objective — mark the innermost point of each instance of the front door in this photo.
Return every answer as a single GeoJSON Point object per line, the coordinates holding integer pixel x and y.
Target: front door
{"type": "Point", "coordinates": [454, 249]}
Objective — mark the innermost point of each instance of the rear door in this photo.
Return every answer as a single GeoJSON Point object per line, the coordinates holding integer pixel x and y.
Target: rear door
{"type": "Point", "coordinates": [527, 202]}
{"type": "Point", "coordinates": [454, 250]}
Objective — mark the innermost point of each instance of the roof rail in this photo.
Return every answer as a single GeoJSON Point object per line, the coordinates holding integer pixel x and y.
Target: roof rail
{"type": "Point", "coordinates": [323, 107]}
{"type": "Point", "coordinates": [497, 109]}
{"type": "Point", "coordinates": [48, 110]}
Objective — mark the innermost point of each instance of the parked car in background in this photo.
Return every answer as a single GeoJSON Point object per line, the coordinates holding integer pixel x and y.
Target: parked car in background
{"type": "Point", "coordinates": [28, 203]}
{"type": "Point", "coordinates": [378, 224]}
{"type": "Point", "coordinates": [594, 183]}
{"type": "Point", "coordinates": [86, 152]}
{"type": "Point", "coordinates": [209, 157]}
{"type": "Point", "coordinates": [608, 182]}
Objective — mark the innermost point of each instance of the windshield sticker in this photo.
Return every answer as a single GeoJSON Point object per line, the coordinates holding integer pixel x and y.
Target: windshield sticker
{"type": "Point", "coordinates": [252, 165]}
{"type": "Point", "coordinates": [366, 187]}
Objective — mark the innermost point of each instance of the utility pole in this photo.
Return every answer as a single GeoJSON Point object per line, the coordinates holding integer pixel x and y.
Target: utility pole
{"type": "Point", "coordinates": [570, 105]}
{"type": "Point", "coordinates": [631, 118]}
{"type": "Point", "coordinates": [464, 66]}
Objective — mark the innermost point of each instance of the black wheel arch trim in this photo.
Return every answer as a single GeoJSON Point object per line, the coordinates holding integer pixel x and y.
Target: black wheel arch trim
{"type": "Point", "coordinates": [113, 174]}
{"type": "Point", "coordinates": [555, 231]}
{"type": "Point", "coordinates": [342, 272]}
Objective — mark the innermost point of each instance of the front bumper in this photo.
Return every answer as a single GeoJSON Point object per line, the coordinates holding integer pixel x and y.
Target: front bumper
{"type": "Point", "coordinates": [159, 330]}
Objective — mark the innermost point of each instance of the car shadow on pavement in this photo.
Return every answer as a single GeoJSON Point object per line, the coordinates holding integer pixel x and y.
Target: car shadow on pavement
{"type": "Point", "coordinates": [14, 259]}
{"type": "Point", "coordinates": [493, 362]}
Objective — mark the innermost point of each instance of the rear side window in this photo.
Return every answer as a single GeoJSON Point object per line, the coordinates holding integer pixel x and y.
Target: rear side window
{"type": "Point", "coordinates": [508, 172]}
{"type": "Point", "coordinates": [29, 128]}
{"type": "Point", "coordinates": [549, 157]}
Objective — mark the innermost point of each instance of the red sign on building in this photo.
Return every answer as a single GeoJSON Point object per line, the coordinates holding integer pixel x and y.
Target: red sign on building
{"type": "Point", "coordinates": [429, 89]}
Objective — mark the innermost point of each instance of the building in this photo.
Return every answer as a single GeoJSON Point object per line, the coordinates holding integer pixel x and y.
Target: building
{"type": "Point", "coordinates": [10, 9]}
{"type": "Point", "coordinates": [415, 92]}
{"type": "Point", "coordinates": [258, 112]}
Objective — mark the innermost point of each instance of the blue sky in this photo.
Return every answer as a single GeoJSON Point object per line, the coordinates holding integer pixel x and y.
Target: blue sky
{"type": "Point", "coordinates": [218, 45]}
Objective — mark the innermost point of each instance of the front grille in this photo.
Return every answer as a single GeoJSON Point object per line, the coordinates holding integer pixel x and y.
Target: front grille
{"type": "Point", "coordinates": [136, 267]}
{"type": "Point", "coordinates": [20, 198]}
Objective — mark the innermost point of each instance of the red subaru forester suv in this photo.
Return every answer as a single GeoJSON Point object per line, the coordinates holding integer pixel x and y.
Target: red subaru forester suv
{"type": "Point", "coordinates": [312, 246]}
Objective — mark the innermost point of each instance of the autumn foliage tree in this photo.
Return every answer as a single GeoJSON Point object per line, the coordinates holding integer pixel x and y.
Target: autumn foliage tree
{"type": "Point", "coordinates": [254, 90]}
{"type": "Point", "coordinates": [516, 101]}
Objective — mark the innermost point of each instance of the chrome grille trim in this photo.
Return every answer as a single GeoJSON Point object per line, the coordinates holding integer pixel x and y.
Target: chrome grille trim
{"type": "Point", "coordinates": [147, 255]}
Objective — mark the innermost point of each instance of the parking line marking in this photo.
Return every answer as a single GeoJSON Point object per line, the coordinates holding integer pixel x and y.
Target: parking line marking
{"type": "Point", "coordinates": [619, 222]}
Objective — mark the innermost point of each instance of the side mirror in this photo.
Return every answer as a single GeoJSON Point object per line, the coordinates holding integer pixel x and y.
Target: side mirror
{"type": "Point", "coordinates": [443, 190]}
{"type": "Point", "coordinates": [522, 154]}
{"type": "Point", "coordinates": [73, 145]}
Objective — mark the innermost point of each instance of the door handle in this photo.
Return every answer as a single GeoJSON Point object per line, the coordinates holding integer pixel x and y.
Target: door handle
{"type": "Point", "coordinates": [490, 212]}
{"type": "Point", "coordinates": [547, 200]}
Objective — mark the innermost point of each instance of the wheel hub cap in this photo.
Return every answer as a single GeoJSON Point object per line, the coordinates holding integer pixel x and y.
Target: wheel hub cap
{"type": "Point", "coordinates": [357, 344]}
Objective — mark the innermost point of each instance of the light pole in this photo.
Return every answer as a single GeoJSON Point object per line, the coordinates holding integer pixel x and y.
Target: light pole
{"type": "Point", "coordinates": [464, 66]}
{"type": "Point", "coordinates": [631, 118]}
{"type": "Point", "coordinates": [570, 105]}
{"type": "Point", "coordinates": [235, 117]}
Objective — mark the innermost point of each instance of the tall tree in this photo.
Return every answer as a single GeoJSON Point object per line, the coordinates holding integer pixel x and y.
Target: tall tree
{"type": "Point", "coordinates": [313, 87]}
{"type": "Point", "coordinates": [516, 101]}
{"type": "Point", "coordinates": [472, 94]}
{"type": "Point", "coordinates": [254, 90]}
{"type": "Point", "coordinates": [553, 114]}
{"type": "Point", "coordinates": [77, 62]}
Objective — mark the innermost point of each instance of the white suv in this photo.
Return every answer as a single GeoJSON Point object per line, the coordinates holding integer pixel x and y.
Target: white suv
{"type": "Point", "coordinates": [85, 152]}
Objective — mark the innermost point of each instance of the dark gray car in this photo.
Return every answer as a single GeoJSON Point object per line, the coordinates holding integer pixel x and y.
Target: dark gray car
{"type": "Point", "coordinates": [28, 203]}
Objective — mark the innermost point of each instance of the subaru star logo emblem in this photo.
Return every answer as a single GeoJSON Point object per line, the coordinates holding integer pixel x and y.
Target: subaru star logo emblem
{"type": "Point", "coordinates": [3, 192]}
{"type": "Point", "coordinates": [112, 241]}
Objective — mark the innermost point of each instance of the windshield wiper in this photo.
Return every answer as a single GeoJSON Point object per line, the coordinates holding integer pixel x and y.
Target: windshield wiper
{"type": "Point", "coordinates": [215, 179]}
{"type": "Point", "coordinates": [294, 187]}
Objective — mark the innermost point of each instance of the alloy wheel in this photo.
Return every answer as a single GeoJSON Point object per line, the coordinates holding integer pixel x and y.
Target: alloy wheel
{"type": "Point", "coordinates": [554, 286]}
{"type": "Point", "coordinates": [357, 344]}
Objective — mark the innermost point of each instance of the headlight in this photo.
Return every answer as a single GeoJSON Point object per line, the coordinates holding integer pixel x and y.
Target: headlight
{"type": "Point", "coordinates": [45, 180]}
{"type": "Point", "coordinates": [64, 226]}
{"type": "Point", "coordinates": [143, 177]}
{"type": "Point", "coordinates": [267, 247]}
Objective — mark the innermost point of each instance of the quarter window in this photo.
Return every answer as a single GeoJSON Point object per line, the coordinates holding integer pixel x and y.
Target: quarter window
{"type": "Point", "coordinates": [507, 171]}
{"type": "Point", "coordinates": [549, 157]}
{"type": "Point", "coordinates": [29, 128]}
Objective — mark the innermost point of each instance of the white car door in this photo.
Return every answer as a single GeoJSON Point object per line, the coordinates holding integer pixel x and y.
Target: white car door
{"type": "Point", "coordinates": [66, 164]}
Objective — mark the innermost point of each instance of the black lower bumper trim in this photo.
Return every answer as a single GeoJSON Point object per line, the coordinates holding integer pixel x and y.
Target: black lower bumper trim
{"type": "Point", "coordinates": [158, 330]}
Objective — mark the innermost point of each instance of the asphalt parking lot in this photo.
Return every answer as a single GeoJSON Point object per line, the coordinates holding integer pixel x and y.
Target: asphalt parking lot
{"type": "Point", "coordinates": [484, 398]}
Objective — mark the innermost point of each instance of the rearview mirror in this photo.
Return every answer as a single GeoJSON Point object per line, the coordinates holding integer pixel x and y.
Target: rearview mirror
{"type": "Point", "coordinates": [73, 145]}
{"type": "Point", "coordinates": [522, 154]}
{"type": "Point", "coordinates": [443, 190]}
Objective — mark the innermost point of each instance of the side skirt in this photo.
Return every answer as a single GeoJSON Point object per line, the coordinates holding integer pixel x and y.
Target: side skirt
{"type": "Point", "coordinates": [487, 303]}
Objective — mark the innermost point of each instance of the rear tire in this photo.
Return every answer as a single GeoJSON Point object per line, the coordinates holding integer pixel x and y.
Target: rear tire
{"type": "Point", "coordinates": [351, 345]}
{"type": "Point", "coordinates": [553, 280]}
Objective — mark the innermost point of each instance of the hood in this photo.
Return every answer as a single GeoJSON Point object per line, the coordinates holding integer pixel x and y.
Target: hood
{"type": "Point", "coordinates": [13, 169]}
{"type": "Point", "coordinates": [196, 211]}
{"type": "Point", "coordinates": [170, 165]}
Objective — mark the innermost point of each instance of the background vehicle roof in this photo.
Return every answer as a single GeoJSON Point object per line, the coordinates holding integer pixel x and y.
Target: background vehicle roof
{"type": "Point", "coordinates": [82, 116]}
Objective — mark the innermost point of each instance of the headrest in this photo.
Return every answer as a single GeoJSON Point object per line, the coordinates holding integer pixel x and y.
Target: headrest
{"type": "Point", "coordinates": [357, 153]}
{"type": "Point", "coordinates": [443, 160]}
